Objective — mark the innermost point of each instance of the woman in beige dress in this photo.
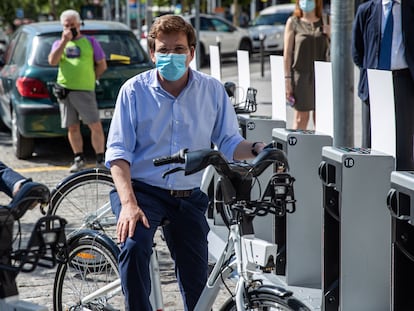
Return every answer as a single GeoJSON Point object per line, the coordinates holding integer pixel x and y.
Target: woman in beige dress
{"type": "Point", "coordinates": [306, 40]}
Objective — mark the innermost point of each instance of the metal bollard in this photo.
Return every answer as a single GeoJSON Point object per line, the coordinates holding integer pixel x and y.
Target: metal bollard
{"type": "Point", "coordinates": [262, 37]}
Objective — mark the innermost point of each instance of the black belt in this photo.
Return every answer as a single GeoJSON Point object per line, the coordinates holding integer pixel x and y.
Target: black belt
{"type": "Point", "coordinates": [174, 193]}
{"type": "Point", "coordinates": [180, 193]}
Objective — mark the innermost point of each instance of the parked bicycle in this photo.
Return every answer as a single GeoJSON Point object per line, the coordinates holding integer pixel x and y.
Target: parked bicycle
{"type": "Point", "coordinates": [82, 199]}
{"type": "Point", "coordinates": [90, 279]}
{"type": "Point", "coordinates": [248, 105]}
{"type": "Point", "coordinates": [45, 247]}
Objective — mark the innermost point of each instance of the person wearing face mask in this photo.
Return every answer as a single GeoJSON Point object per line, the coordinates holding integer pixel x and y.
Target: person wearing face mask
{"type": "Point", "coordinates": [81, 62]}
{"type": "Point", "coordinates": [306, 40]}
{"type": "Point", "coordinates": [159, 112]}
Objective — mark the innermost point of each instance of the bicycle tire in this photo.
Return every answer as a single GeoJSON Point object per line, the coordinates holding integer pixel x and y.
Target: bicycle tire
{"type": "Point", "coordinates": [92, 264]}
{"type": "Point", "coordinates": [265, 301]}
{"type": "Point", "coordinates": [78, 197]}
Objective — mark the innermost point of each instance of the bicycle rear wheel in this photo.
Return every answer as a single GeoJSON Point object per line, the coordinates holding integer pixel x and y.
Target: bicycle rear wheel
{"type": "Point", "coordinates": [264, 301]}
{"type": "Point", "coordinates": [92, 264]}
{"type": "Point", "coordinates": [83, 200]}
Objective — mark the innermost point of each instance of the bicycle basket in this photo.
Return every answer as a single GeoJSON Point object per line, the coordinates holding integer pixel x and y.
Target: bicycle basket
{"type": "Point", "coordinates": [46, 241]}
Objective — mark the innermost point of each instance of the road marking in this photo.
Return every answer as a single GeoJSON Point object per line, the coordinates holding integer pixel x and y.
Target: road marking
{"type": "Point", "coordinates": [41, 169]}
{"type": "Point", "coordinates": [47, 168]}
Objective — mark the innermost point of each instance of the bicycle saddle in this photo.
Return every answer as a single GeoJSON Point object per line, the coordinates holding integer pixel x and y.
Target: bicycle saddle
{"type": "Point", "coordinates": [28, 195]}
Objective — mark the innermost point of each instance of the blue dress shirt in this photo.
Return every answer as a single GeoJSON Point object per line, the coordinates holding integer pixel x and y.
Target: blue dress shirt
{"type": "Point", "coordinates": [149, 122]}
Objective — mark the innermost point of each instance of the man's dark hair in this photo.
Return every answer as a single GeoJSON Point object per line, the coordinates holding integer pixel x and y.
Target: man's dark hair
{"type": "Point", "coordinates": [171, 24]}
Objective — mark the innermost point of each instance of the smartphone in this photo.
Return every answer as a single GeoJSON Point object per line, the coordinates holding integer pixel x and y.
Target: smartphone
{"type": "Point", "coordinates": [74, 32]}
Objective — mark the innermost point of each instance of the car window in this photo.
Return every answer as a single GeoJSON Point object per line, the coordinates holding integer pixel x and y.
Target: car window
{"type": "Point", "coordinates": [219, 25]}
{"type": "Point", "coordinates": [272, 19]}
{"type": "Point", "coordinates": [10, 48]}
{"type": "Point", "coordinates": [205, 24]}
{"type": "Point", "coordinates": [19, 54]}
{"type": "Point", "coordinates": [43, 49]}
{"type": "Point", "coordinates": [121, 44]}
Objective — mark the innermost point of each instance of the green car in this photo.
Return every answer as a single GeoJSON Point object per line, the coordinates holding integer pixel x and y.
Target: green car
{"type": "Point", "coordinates": [27, 105]}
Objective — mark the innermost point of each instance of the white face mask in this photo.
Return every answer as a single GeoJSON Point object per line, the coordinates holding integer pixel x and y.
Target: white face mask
{"type": "Point", "coordinates": [307, 5]}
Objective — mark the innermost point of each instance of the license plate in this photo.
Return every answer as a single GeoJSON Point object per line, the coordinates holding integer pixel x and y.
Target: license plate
{"type": "Point", "coordinates": [106, 113]}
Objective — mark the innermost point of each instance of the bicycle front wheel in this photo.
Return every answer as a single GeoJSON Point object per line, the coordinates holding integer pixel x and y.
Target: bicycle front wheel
{"type": "Point", "coordinates": [89, 280]}
{"type": "Point", "coordinates": [83, 200]}
{"type": "Point", "coordinates": [264, 301]}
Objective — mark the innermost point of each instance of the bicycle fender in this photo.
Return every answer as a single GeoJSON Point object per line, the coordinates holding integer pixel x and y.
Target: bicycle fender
{"type": "Point", "coordinates": [92, 235]}
{"type": "Point", "coordinates": [271, 289]}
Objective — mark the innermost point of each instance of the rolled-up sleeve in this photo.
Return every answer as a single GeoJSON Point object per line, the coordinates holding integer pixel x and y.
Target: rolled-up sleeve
{"type": "Point", "coordinates": [226, 133]}
{"type": "Point", "coordinates": [122, 133]}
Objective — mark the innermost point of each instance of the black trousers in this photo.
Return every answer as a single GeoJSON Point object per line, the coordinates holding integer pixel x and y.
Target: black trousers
{"type": "Point", "coordinates": [404, 115]}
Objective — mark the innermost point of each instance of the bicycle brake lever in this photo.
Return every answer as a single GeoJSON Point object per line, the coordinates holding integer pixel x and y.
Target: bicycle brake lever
{"type": "Point", "coordinates": [174, 170]}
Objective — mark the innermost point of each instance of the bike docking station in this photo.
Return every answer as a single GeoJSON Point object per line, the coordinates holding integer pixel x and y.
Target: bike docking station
{"type": "Point", "coordinates": [356, 235]}
{"type": "Point", "coordinates": [253, 127]}
{"type": "Point", "coordinates": [301, 231]}
{"type": "Point", "coordinates": [400, 202]}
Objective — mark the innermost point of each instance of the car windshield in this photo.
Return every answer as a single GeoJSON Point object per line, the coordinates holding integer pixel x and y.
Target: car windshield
{"type": "Point", "coordinates": [119, 47]}
{"type": "Point", "coordinates": [272, 19]}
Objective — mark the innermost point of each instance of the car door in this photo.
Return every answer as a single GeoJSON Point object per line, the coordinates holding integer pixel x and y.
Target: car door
{"type": "Point", "coordinates": [14, 58]}
{"type": "Point", "coordinates": [227, 33]}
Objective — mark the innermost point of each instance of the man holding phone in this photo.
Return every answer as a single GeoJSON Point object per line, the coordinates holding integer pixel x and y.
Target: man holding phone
{"type": "Point", "coordinates": [81, 62]}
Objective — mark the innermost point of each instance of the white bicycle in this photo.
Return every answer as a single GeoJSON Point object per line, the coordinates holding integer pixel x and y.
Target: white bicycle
{"type": "Point", "coordinates": [89, 280]}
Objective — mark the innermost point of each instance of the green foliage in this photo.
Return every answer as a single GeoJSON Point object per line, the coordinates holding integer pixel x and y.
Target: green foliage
{"type": "Point", "coordinates": [35, 8]}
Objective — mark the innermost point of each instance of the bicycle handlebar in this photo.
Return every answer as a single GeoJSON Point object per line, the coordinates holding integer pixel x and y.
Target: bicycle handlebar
{"type": "Point", "coordinates": [178, 157]}
{"type": "Point", "coordinates": [28, 195]}
{"type": "Point", "coordinates": [198, 160]}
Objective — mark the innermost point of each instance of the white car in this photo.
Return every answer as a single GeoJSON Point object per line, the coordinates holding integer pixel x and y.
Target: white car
{"type": "Point", "coordinates": [270, 25]}
{"type": "Point", "coordinates": [214, 29]}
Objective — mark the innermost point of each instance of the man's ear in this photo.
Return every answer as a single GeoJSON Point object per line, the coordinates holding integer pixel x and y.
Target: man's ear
{"type": "Point", "coordinates": [152, 55]}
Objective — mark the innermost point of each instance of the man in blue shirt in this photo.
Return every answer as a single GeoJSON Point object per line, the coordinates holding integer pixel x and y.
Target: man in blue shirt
{"type": "Point", "coordinates": [157, 113]}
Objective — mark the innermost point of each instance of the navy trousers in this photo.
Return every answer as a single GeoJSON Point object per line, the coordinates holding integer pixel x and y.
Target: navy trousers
{"type": "Point", "coordinates": [186, 238]}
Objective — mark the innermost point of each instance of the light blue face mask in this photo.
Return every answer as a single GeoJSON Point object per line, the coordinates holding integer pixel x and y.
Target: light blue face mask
{"type": "Point", "coordinates": [171, 66]}
{"type": "Point", "coordinates": [307, 5]}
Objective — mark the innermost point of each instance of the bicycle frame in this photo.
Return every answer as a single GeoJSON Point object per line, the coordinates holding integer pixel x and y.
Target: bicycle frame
{"type": "Point", "coordinates": [238, 256]}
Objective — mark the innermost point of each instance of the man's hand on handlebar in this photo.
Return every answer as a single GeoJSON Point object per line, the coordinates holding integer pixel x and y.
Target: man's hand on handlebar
{"type": "Point", "coordinates": [248, 150]}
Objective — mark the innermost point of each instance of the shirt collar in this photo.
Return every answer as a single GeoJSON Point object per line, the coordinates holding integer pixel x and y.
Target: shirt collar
{"type": "Point", "coordinates": [386, 2]}
{"type": "Point", "coordinates": [155, 83]}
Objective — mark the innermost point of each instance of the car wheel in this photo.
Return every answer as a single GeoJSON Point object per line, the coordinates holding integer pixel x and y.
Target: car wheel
{"type": "Point", "coordinates": [22, 146]}
{"type": "Point", "coordinates": [246, 45]}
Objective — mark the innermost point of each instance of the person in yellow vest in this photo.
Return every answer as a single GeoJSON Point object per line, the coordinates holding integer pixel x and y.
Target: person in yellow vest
{"type": "Point", "coordinates": [81, 62]}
